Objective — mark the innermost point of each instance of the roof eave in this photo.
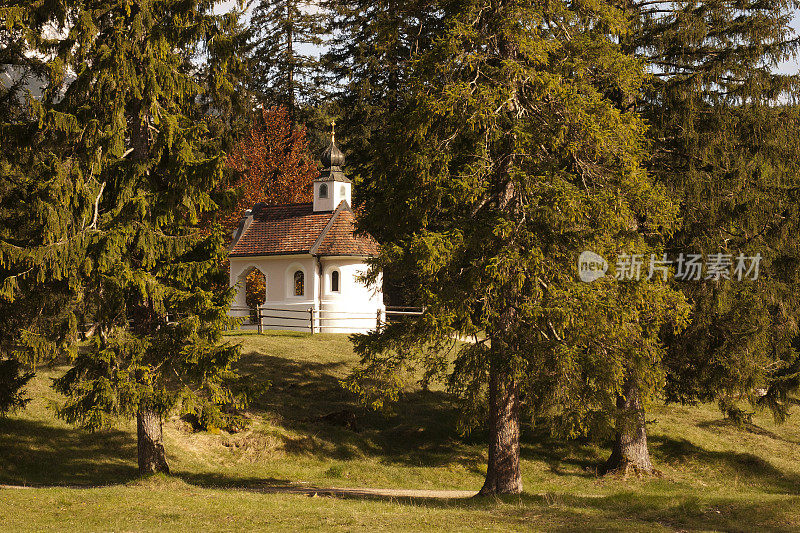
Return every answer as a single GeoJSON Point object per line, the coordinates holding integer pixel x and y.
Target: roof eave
{"type": "Point", "coordinates": [270, 254]}
{"type": "Point", "coordinates": [348, 255]}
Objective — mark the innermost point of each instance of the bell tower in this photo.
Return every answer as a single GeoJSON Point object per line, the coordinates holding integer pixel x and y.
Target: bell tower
{"type": "Point", "coordinates": [332, 187]}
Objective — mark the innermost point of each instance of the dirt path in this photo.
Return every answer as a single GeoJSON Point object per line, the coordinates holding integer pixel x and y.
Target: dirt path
{"type": "Point", "coordinates": [311, 491]}
{"type": "Point", "coordinates": [366, 492]}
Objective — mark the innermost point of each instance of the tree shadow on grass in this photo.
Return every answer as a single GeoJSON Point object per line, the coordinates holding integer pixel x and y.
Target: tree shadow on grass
{"type": "Point", "coordinates": [419, 430]}
{"type": "Point", "coordinates": [215, 480]}
{"type": "Point", "coordinates": [36, 453]}
{"type": "Point", "coordinates": [755, 429]}
{"type": "Point", "coordinates": [563, 457]}
{"type": "Point", "coordinates": [750, 470]}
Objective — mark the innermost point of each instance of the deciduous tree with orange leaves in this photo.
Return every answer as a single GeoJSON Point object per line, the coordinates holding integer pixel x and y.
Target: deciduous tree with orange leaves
{"type": "Point", "coordinates": [272, 164]}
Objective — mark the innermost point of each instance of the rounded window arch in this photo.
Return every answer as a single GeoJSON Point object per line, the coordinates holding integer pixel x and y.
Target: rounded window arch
{"type": "Point", "coordinates": [299, 283]}
{"type": "Point", "coordinates": [255, 283]}
{"type": "Point", "coordinates": [343, 191]}
{"type": "Point", "coordinates": [335, 281]}
{"type": "Point", "coordinates": [252, 289]}
{"type": "Point", "coordinates": [323, 190]}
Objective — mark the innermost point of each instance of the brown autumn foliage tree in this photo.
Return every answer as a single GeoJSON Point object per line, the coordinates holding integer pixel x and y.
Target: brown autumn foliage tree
{"type": "Point", "coordinates": [272, 164]}
{"type": "Point", "coordinates": [256, 292]}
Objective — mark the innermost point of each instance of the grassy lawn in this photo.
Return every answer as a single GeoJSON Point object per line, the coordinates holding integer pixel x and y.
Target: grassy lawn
{"type": "Point", "coordinates": [715, 476]}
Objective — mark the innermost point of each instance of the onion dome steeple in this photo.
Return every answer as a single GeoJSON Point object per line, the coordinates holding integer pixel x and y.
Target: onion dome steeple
{"type": "Point", "coordinates": [332, 187]}
{"type": "Point", "coordinates": [333, 160]}
{"type": "Point", "coordinates": [332, 156]}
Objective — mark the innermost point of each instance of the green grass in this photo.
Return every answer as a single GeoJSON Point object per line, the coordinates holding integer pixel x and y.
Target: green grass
{"type": "Point", "coordinates": [715, 476]}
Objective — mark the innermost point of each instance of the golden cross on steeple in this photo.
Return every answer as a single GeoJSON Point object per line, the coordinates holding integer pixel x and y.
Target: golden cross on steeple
{"type": "Point", "coordinates": [333, 131]}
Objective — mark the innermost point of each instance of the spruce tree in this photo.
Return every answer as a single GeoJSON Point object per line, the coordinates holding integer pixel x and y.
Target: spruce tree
{"type": "Point", "coordinates": [30, 329]}
{"type": "Point", "coordinates": [725, 144]}
{"type": "Point", "coordinates": [284, 68]}
{"type": "Point", "coordinates": [114, 170]}
{"type": "Point", "coordinates": [509, 160]}
{"type": "Point", "coordinates": [224, 75]}
{"type": "Point", "coordinates": [368, 60]}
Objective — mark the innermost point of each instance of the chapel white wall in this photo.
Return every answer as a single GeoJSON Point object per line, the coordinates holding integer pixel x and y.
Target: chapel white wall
{"type": "Point", "coordinates": [353, 309]}
{"type": "Point", "coordinates": [338, 191]}
{"type": "Point", "coordinates": [279, 274]}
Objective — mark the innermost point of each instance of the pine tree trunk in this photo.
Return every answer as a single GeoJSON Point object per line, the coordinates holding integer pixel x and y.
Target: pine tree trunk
{"type": "Point", "coordinates": [630, 450]}
{"type": "Point", "coordinates": [502, 473]}
{"type": "Point", "coordinates": [290, 59]}
{"type": "Point", "coordinates": [150, 443]}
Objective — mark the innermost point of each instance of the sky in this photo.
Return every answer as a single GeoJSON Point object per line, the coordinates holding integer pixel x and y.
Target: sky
{"type": "Point", "coordinates": [792, 67]}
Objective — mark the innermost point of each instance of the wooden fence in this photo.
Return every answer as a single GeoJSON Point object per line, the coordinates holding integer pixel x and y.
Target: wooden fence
{"type": "Point", "coordinates": [316, 320]}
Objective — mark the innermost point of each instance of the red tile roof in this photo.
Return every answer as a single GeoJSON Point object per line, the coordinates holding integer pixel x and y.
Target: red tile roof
{"type": "Point", "coordinates": [340, 239]}
{"type": "Point", "coordinates": [297, 229]}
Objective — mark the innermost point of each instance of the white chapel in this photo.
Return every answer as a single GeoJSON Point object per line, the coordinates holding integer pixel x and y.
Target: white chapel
{"type": "Point", "coordinates": [310, 258]}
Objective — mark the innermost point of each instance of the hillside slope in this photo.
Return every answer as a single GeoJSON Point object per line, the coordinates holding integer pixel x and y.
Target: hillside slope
{"type": "Point", "coordinates": [308, 432]}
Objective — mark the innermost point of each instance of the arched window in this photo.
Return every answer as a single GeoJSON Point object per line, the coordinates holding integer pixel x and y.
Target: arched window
{"type": "Point", "coordinates": [255, 287]}
{"type": "Point", "coordinates": [299, 283]}
{"type": "Point", "coordinates": [323, 190]}
{"type": "Point", "coordinates": [335, 281]}
{"type": "Point", "coordinates": [343, 191]}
